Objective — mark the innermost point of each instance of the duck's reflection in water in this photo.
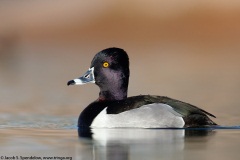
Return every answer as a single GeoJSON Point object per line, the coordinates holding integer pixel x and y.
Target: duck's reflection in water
{"type": "Point", "coordinates": [114, 144]}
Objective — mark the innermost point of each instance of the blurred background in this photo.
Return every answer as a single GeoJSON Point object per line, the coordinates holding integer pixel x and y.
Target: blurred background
{"type": "Point", "coordinates": [187, 50]}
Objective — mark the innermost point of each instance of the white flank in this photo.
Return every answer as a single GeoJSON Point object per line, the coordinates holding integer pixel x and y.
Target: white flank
{"type": "Point", "coordinates": [157, 115]}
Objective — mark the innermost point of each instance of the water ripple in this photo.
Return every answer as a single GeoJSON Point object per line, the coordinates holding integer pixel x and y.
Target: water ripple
{"type": "Point", "coordinates": [37, 121]}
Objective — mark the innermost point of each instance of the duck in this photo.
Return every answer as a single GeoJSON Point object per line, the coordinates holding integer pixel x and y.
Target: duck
{"type": "Point", "coordinates": [109, 70]}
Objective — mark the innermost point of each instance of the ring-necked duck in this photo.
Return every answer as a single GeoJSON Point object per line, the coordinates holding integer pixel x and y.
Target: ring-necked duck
{"type": "Point", "coordinates": [110, 71]}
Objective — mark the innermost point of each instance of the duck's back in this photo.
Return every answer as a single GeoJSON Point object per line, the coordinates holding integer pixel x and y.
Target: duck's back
{"type": "Point", "coordinates": [144, 111]}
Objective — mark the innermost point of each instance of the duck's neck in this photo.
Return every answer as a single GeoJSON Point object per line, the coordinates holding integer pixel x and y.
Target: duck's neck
{"type": "Point", "coordinates": [115, 86]}
{"type": "Point", "coordinates": [114, 91]}
{"type": "Point", "coordinates": [111, 96]}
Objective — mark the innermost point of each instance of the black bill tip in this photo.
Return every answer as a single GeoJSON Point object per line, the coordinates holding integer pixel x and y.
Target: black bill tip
{"type": "Point", "coordinates": [72, 82]}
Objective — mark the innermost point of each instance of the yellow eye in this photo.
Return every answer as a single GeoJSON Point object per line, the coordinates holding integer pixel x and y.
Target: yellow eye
{"type": "Point", "coordinates": [105, 64]}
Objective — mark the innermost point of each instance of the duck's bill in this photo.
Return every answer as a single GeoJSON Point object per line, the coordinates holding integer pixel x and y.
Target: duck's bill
{"type": "Point", "coordinates": [88, 77]}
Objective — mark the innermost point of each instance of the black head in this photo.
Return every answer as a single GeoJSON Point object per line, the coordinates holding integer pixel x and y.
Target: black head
{"type": "Point", "coordinates": [110, 71]}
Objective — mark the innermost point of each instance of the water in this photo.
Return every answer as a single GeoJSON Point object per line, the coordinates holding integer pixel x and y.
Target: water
{"type": "Point", "coordinates": [163, 144]}
{"type": "Point", "coordinates": [118, 144]}
{"type": "Point", "coordinates": [48, 136]}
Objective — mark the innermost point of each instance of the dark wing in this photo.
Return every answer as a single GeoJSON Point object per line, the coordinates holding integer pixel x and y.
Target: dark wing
{"type": "Point", "coordinates": [192, 115]}
{"type": "Point", "coordinates": [182, 107]}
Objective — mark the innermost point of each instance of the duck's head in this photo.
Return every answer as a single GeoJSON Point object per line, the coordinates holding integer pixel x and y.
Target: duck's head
{"type": "Point", "coordinates": [110, 71]}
